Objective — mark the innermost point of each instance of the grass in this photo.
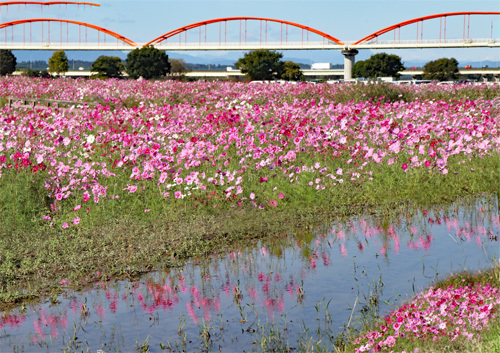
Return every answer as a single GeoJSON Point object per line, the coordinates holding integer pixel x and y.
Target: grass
{"type": "Point", "coordinates": [34, 257]}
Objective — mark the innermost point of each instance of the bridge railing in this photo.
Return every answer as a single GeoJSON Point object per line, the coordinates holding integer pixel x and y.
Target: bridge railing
{"type": "Point", "coordinates": [250, 44]}
{"type": "Point", "coordinates": [428, 41]}
{"type": "Point", "coordinates": [69, 46]}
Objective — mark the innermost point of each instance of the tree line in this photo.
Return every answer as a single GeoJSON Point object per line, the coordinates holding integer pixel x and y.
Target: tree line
{"type": "Point", "coordinates": [150, 63]}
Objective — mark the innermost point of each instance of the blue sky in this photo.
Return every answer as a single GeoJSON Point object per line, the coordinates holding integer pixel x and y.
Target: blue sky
{"type": "Point", "coordinates": [143, 20]}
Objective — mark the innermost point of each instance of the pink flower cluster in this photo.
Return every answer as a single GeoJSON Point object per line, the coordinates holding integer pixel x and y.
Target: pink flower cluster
{"type": "Point", "coordinates": [435, 314]}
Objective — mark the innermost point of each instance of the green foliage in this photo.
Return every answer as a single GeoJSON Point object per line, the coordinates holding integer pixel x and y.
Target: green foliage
{"type": "Point", "coordinates": [108, 66]}
{"type": "Point", "coordinates": [443, 69]}
{"type": "Point", "coordinates": [261, 64]}
{"type": "Point", "coordinates": [291, 72]}
{"type": "Point", "coordinates": [178, 67]}
{"type": "Point", "coordinates": [147, 62]}
{"type": "Point", "coordinates": [36, 73]}
{"type": "Point", "coordinates": [58, 63]}
{"type": "Point", "coordinates": [7, 62]}
{"type": "Point", "coordinates": [378, 65]}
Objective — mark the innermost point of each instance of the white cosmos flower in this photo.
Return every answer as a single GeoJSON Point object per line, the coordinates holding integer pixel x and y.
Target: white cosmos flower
{"type": "Point", "coordinates": [90, 139]}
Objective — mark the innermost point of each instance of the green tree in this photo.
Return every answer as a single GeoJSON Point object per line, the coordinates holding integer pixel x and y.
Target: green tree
{"type": "Point", "coordinates": [7, 62]}
{"type": "Point", "coordinates": [108, 66]}
{"type": "Point", "coordinates": [261, 64]}
{"type": "Point", "coordinates": [292, 72]}
{"type": "Point", "coordinates": [441, 69]}
{"type": "Point", "coordinates": [147, 62]}
{"type": "Point", "coordinates": [58, 63]}
{"type": "Point", "coordinates": [178, 67]}
{"type": "Point", "coordinates": [378, 65]}
{"type": "Point", "coordinates": [36, 73]}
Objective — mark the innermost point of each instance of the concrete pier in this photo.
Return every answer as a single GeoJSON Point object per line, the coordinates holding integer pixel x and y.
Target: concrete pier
{"type": "Point", "coordinates": [349, 55]}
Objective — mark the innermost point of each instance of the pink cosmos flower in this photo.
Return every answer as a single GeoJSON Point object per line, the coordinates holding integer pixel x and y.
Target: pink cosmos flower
{"type": "Point", "coordinates": [273, 203]}
{"type": "Point", "coordinates": [65, 225]}
{"type": "Point", "coordinates": [404, 166]}
{"type": "Point", "coordinates": [76, 220]}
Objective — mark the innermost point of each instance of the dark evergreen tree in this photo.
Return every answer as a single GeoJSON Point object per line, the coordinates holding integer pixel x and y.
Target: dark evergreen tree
{"type": "Point", "coordinates": [443, 69]}
{"type": "Point", "coordinates": [378, 65]}
{"type": "Point", "coordinates": [147, 62]}
{"type": "Point", "coordinates": [261, 64]}
{"type": "Point", "coordinates": [7, 62]}
{"type": "Point", "coordinates": [108, 67]}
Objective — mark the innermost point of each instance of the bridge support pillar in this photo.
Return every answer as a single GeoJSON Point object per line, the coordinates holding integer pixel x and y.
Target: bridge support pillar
{"type": "Point", "coordinates": [349, 55]}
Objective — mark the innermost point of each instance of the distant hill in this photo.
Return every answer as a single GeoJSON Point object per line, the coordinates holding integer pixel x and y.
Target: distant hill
{"type": "Point", "coordinates": [474, 64]}
{"type": "Point", "coordinates": [43, 65]}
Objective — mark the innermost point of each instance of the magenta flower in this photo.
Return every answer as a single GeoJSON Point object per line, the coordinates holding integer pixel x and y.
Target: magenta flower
{"type": "Point", "coordinates": [272, 203]}
{"type": "Point", "coordinates": [404, 166]}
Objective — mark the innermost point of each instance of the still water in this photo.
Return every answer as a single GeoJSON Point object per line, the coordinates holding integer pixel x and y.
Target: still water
{"type": "Point", "coordinates": [291, 287]}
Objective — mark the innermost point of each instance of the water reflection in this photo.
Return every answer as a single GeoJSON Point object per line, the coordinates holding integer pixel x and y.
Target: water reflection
{"type": "Point", "coordinates": [297, 281]}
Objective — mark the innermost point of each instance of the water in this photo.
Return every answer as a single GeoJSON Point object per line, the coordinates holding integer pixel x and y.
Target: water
{"type": "Point", "coordinates": [327, 278]}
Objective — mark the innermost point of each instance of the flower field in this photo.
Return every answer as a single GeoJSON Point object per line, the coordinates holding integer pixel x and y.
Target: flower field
{"type": "Point", "coordinates": [183, 156]}
{"type": "Point", "coordinates": [220, 144]}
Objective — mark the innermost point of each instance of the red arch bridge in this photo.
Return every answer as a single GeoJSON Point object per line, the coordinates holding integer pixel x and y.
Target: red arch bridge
{"type": "Point", "coordinates": [446, 30]}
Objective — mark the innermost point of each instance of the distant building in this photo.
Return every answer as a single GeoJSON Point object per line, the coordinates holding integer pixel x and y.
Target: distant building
{"type": "Point", "coordinates": [321, 66]}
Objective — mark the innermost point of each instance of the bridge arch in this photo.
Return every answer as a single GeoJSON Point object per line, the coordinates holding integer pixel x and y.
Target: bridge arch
{"type": "Point", "coordinates": [228, 19]}
{"type": "Point", "coordinates": [99, 29]}
{"type": "Point", "coordinates": [420, 19]}
{"type": "Point", "coordinates": [47, 3]}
